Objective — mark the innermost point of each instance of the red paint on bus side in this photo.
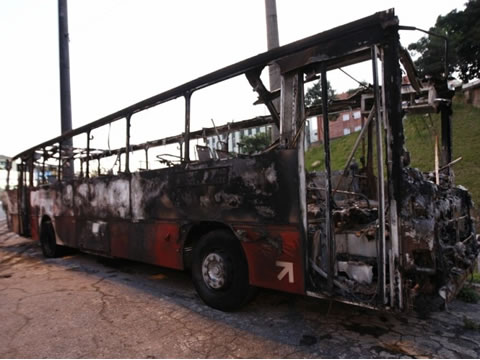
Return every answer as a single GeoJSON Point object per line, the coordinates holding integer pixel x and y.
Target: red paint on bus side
{"type": "Point", "coordinates": [163, 243]}
{"type": "Point", "coordinates": [34, 229]}
{"type": "Point", "coordinates": [154, 243]}
{"type": "Point", "coordinates": [275, 257]}
{"type": "Point", "coordinates": [119, 239]}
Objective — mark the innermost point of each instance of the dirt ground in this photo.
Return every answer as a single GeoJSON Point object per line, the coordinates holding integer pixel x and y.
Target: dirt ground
{"type": "Point", "coordinates": [84, 306]}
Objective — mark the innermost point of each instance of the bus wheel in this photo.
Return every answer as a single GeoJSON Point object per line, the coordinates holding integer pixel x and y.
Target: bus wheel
{"type": "Point", "coordinates": [50, 249]}
{"type": "Point", "coordinates": [220, 271]}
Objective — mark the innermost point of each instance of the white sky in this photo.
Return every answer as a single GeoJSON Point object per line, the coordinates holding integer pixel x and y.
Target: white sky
{"type": "Point", "coordinates": [122, 51]}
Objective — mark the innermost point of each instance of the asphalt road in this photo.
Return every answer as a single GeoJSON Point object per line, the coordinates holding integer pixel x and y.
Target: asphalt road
{"type": "Point", "coordinates": [84, 306]}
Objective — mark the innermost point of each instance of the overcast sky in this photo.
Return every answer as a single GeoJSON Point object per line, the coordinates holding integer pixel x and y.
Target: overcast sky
{"type": "Point", "coordinates": [122, 51]}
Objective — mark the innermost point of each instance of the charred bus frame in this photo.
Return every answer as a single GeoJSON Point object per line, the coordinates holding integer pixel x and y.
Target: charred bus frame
{"type": "Point", "coordinates": [262, 221]}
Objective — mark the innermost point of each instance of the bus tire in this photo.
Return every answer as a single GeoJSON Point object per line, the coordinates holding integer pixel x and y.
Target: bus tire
{"type": "Point", "coordinates": [48, 243]}
{"type": "Point", "coordinates": [220, 271]}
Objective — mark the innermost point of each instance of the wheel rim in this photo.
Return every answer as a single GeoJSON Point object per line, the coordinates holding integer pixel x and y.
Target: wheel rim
{"type": "Point", "coordinates": [214, 271]}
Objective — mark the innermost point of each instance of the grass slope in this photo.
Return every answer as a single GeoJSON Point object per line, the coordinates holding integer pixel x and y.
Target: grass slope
{"type": "Point", "coordinates": [419, 133]}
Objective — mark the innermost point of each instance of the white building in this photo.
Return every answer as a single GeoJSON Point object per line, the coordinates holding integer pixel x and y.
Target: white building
{"type": "Point", "coordinates": [234, 138]}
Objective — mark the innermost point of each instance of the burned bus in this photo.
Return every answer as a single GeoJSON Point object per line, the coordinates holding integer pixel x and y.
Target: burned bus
{"type": "Point", "coordinates": [240, 222]}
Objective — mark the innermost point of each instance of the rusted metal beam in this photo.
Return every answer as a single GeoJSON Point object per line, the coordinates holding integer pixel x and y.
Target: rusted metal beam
{"type": "Point", "coordinates": [381, 183]}
{"type": "Point", "coordinates": [127, 147]}
{"type": "Point", "coordinates": [88, 155]}
{"type": "Point", "coordinates": [289, 108]}
{"type": "Point", "coordinates": [392, 110]}
{"type": "Point", "coordinates": [44, 159]}
{"type": "Point", "coordinates": [59, 161]}
{"type": "Point", "coordinates": [446, 118]}
{"type": "Point", "coordinates": [199, 134]}
{"type": "Point", "coordinates": [329, 232]}
{"type": "Point", "coordinates": [146, 158]}
{"type": "Point", "coordinates": [9, 167]}
{"type": "Point", "coordinates": [264, 95]}
{"type": "Point", "coordinates": [354, 149]}
{"type": "Point", "coordinates": [188, 96]}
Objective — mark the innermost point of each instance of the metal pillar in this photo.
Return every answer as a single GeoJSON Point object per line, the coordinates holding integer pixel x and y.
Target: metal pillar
{"type": "Point", "coordinates": [88, 155]}
{"type": "Point", "coordinates": [446, 116]}
{"type": "Point", "coordinates": [329, 233]}
{"type": "Point", "coordinates": [381, 256]}
{"type": "Point", "coordinates": [392, 79]}
{"type": "Point", "coordinates": [127, 147]}
{"type": "Point", "coordinates": [188, 97]}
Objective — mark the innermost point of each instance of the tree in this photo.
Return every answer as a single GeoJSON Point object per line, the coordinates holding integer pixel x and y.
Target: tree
{"type": "Point", "coordinates": [314, 94]}
{"type": "Point", "coordinates": [462, 28]}
{"type": "Point", "coordinates": [255, 143]}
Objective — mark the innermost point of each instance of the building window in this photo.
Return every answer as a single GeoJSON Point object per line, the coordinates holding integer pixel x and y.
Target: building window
{"type": "Point", "coordinates": [345, 117]}
{"type": "Point", "coordinates": [358, 128]}
{"type": "Point", "coordinates": [356, 115]}
{"type": "Point", "coordinates": [346, 131]}
{"type": "Point", "coordinates": [250, 131]}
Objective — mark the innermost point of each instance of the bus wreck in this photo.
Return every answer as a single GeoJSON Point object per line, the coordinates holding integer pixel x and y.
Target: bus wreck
{"type": "Point", "coordinates": [403, 238]}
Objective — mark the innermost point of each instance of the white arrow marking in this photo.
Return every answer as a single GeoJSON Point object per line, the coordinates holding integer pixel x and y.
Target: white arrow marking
{"type": "Point", "coordinates": [287, 269]}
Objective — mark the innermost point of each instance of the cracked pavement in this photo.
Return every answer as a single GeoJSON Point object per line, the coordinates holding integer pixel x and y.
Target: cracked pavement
{"type": "Point", "coordinates": [84, 306]}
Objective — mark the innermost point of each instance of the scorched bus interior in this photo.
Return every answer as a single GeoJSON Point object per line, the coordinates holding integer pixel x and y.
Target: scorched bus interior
{"type": "Point", "coordinates": [377, 233]}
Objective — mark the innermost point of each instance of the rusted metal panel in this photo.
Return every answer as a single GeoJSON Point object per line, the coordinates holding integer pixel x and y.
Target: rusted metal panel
{"type": "Point", "coordinates": [15, 223]}
{"type": "Point", "coordinates": [119, 239]}
{"type": "Point", "coordinates": [438, 238]}
{"type": "Point", "coordinates": [105, 197]}
{"type": "Point", "coordinates": [66, 230]}
{"type": "Point", "coordinates": [150, 242]}
{"type": "Point", "coordinates": [274, 255]}
{"type": "Point", "coordinates": [93, 235]}
{"type": "Point", "coordinates": [259, 188]}
{"type": "Point", "coordinates": [34, 228]}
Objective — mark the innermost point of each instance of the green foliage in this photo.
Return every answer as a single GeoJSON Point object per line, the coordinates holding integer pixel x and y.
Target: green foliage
{"type": "Point", "coordinates": [314, 94]}
{"type": "Point", "coordinates": [339, 150]}
{"type": "Point", "coordinates": [469, 295]}
{"type": "Point", "coordinates": [476, 278]}
{"type": "Point", "coordinates": [255, 143]}
{"type": "Point", "coordinates": [462, 28]}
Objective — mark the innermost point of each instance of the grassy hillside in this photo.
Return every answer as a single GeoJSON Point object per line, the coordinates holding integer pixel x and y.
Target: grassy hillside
{"type": "Point", "coordinates": [419, 134]}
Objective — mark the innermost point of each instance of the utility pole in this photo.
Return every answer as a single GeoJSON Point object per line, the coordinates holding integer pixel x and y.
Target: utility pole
{"type": "Point", "coordinates": [273, 42]}
{"type": "Point", "coordinates": [65, 99]}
